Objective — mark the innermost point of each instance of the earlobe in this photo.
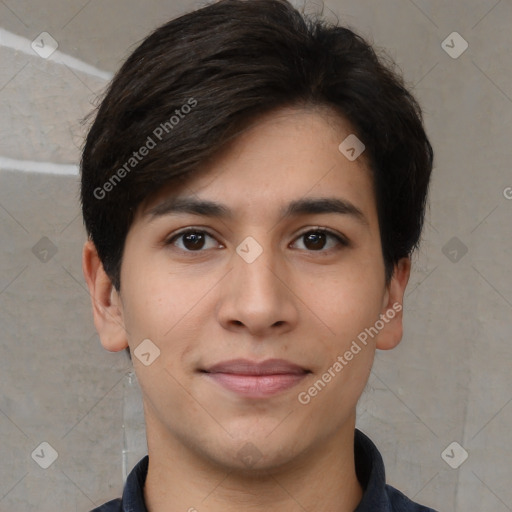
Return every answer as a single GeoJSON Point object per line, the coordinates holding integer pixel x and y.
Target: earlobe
{"type": "Point", "coordinates": [390, 336]}
{"type": "Point", "coordinates": [106, 306]}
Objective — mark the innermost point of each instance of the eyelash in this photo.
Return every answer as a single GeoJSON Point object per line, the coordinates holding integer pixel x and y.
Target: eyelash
{"type": "Point", "coordinates": [342, 241]}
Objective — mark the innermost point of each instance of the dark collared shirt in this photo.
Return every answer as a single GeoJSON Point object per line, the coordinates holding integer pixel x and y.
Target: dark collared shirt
{"type": "Point", "coordinates": [377, 495]}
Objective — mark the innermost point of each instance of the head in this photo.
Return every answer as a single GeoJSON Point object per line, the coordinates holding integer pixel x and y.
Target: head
{"type": "Point", "coordinates": [247, 104]}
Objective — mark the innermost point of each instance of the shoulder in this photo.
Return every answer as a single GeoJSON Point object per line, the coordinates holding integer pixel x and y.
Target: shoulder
{"type": "Point", "coordinates": [111, 506]}
{"type": "Point", "coordinates": [133, 495]}
{"type": "Point", "coordinates": [371, 474]}
{"type": "Point", "coordinates": [401, 503]}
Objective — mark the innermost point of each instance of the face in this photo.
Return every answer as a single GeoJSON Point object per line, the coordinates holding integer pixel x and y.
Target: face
{"type": "Point", "coordinates": [286, 269]}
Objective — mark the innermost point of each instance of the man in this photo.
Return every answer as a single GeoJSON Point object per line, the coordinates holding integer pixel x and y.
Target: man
{"type": "Point", "coordinates": [253, 186]}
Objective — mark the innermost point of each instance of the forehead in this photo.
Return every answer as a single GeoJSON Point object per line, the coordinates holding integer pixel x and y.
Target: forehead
{"type": "Point", "coordinates": [279, 158]}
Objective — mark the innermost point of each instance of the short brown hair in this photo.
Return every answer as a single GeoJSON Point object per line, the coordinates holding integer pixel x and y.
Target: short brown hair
{"type": "Point", "coordinates": [230, 62]}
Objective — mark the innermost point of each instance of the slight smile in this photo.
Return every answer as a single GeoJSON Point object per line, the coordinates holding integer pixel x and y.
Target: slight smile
{"type": "Point", "coordinates": [256, 380]}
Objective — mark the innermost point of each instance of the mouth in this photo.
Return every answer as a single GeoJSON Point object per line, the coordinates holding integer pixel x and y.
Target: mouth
{"type": "Point", "coordinates": [256, 379]}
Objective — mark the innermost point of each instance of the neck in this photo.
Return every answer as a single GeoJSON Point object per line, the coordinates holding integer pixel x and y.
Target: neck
{"type": "Point", "coordinates": [182, 479]}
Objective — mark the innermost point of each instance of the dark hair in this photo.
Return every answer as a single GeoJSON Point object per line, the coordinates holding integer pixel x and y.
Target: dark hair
{"type": "Point", "coordinates": [195, 82]}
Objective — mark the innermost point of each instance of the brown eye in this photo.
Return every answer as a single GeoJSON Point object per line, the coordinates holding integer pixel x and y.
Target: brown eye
{"type": "Point", "coordinates": [315, 240]}
{"type": "Point", "coordinates": [192, 240]}
{"type": "Point", "coordinates": [318, 239]}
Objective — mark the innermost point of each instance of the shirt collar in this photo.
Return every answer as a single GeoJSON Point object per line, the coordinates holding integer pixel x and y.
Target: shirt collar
{"type": "Point", "coordinates": [369, 470]}
{"type": "Point", "coordinates": [133, 494]}
{"type": "Point", "coordinates": [371, 475]}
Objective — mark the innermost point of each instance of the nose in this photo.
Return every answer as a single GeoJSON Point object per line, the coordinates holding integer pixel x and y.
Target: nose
{"type": "Point", "coordinates": [258, 294]}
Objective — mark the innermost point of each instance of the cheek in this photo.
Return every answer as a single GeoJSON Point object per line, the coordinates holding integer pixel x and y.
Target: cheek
{"type": "Point", "coordinates": [351, 300]}
{"type": "Point", "coordinates": [163, 306]}
{"type": "Point", "coordinates": [150, 302]}
{"type": "Point", "coordinates": [351, 310]}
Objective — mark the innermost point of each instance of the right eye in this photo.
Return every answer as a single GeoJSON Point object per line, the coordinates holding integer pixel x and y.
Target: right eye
{"type": "Point", "coordinates": [192, 240]}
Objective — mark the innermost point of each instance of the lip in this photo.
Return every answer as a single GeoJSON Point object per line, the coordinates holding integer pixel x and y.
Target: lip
{"type": "Point", "coordinates": [256, 379]}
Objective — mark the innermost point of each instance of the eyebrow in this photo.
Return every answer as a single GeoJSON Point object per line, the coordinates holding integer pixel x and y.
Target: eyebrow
{"type": "Point", "coordinates": [305, 206]}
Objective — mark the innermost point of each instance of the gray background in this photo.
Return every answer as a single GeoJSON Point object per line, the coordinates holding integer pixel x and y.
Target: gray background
{"type": "Point", "coordinates": [449, 380]}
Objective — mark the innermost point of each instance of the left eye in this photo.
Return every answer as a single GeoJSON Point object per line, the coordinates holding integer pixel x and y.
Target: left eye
{"type": "Point", "coordinates": [193, 240]}
{"type": "Point", "coordinates": [315, 240]}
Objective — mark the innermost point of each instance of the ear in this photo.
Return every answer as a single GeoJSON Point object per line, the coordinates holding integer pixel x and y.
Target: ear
{"type": "Point", "coordinates": [106, 302]}
{"type": "Point", "coordinates": [389, 337]}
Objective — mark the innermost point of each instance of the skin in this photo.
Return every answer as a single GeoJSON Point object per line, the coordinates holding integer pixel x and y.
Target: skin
{"type": "Point", "coordinates": [297, 301]}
